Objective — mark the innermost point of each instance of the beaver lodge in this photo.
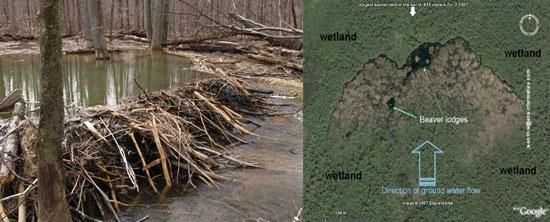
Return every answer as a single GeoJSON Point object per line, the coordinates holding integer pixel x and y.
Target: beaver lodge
{"type": "Point", "coordinates": [153, 141]}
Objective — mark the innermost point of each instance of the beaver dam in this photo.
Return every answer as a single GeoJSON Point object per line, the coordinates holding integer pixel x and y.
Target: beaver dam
{"type": "Point", "coordinates": [150, 142]}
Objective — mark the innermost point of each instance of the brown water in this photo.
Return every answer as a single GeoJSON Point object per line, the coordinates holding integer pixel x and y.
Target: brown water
{"type": "Point", "coordinates": [91, 82]}
{"type": "Point", "coordinates": [271, 193]}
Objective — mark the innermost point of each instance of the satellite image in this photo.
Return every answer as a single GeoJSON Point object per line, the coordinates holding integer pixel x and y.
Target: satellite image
{"type": "Point", "coordinates": [426, 111]}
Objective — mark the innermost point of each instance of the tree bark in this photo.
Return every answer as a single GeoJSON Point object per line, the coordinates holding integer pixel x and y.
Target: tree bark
{"type": "Point", "coordinates": [158, 24]}
{"type": "Point", "coordinates": [96, 26]}
{"type": "Point", "coordinates": [77, 15]}
{"type": "Point", "coordinates": [13, 18]}
{"type": "Point", "coordinates": [147, 19]}
{"type": "Point", "coordinates": [120, 14]}
{"type": "Point", "coordinates": [294, 18]}
{"type": "Point", "coordinates": [52, 204]}
{"type": "Point", "coordinates": [29, 17]}
{"type": "Point", "coordinates": [262, 14]}
{"type": "Point", "coordinates": [127, 10]}
{"type": "Point", "coordinates": [87, 27]}
{"type": "Point", "coordinates": [166, 21]}
{"type": "Point", "coordinates": [111, 23]}
{"type": "Point", "coordinates": [66, 20]}
{"type": "Point", "coordinates": [138, 14]}
{"type": "Point", "coordinates": [5, 10]}
{"type": "Point", "coordinates": [279, 15]}
{"type": "Point", "coordinates": [81, 27]}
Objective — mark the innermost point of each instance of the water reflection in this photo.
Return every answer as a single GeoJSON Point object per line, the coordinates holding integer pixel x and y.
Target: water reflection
{"type": "Point", "coordinates": [91, 82]}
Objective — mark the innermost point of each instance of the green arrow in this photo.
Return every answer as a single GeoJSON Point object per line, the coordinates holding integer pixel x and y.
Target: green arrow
{"type": "Point", "coordinates": [405, 112]}
{"type": "Point", "coordinates": [433, 92]}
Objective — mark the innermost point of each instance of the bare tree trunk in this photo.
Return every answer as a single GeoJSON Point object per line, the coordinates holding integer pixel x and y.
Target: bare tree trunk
{"type": "Point", "coordinates": [12, 16]}
{"type": "Point", "coordinates": [295, 20]}
{"type": "Point", "coordinates": [166, 20]}
{"type": "Point", "coordinates": [66, 20]}
{"type": "Point", "coordinates": [127, 10]}
{"type": "Point", "coordinates": [5, 9]}
{"type": "Point", "coordinates": [262, 14]}
{"type": "Point", "coordinates": [77, 15]}
{"type": "Point", "coordinates": [112, 20]}
{"type": "Point", "coordinates": [147, 19]}
{"type": "Point", "coordinates": [279, 15]}
{"type": "Point", "coordinates": [217, 7]}
{"type": "Point", "coordinates": [158, 24]}
{"type": "Point", "coordinates": [248, 9]}
{"type": "Point", "coordinates": [211, 10]}
{"type": "Point", "coordinates": [87, 27]}
{"type": "Point", "coordinates": [120, 13]}
{"type": "Point", "coordinates": [52, 204]}
{"type": "Point", "coordinates": [137, 14]}
{"type": "Point", "coordinates": [29, 17]}
{"type": "Point", "coordinates": [96, 25]}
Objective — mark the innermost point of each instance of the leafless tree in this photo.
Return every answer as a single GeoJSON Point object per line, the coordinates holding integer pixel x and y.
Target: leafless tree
{"type": "Point", "coordinates": [96, 28]}
{"type": "Point", "coordinates": [18, 18]}
{"type": "Point", "coordinates": [52, 204]}
{"type": "Point", "coordinates": [159, 24]}
{"type": "Point", "coordinates": [147, 18]}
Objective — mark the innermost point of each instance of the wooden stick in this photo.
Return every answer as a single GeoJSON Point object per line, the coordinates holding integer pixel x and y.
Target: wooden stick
{"type": "Point", "coordinates": [131, 134]}
{"type": "Point", "coordinates": [227, 157]}
{"type": "Point", "coordinates": [108, 202]}
{"type": "Point", "coordinates": [113, 194]}
{"type": "Point", "coordinates": [3, 214]}
{"type": "Point", "coordinates": [22, 210]}
{"type": "Point", "coordinates": [94, 131]}
{"type": "Point", "coordinates": [277, 61]}
{"type": "Point", "coordinates": [224, 115]}
{"type": "Point", "coordinates": [129, 169]}
{"type": "Point", "coordinates": [83, 215]}
{"type": "Point", "coordinates": [12, 131]}
{"type": "Point", "coordinates": [162, 154]}
{"type": "Point", "coordinates": [210, 174]}
{"type": "Point", "coordinates": [143, 219]}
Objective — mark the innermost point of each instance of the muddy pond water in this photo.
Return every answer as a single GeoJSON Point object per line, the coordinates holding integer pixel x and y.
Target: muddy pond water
{"type": "Point", "coordinates": [92, 82]}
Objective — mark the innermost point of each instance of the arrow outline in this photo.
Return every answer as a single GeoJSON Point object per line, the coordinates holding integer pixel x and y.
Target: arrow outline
{"type": "Point", "coordinates": [437, 151]}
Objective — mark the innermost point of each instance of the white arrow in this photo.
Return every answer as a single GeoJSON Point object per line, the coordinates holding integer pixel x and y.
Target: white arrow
{"type": "Point", "coordinates": [427, 181]}
{"type": "Point", "coordinates": [412, 12]}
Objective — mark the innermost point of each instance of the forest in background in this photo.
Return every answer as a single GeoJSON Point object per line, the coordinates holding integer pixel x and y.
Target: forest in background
{"type": "Point", "coordinates": [19, 18]}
